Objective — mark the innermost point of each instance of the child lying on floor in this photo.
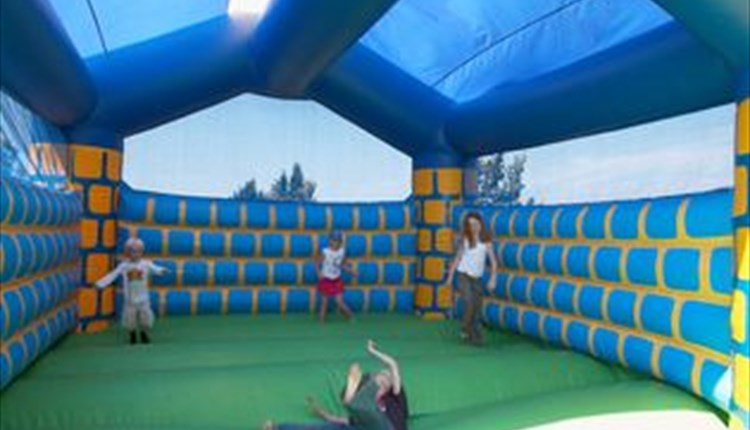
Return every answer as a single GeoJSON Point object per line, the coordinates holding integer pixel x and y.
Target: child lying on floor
{"type": "Point", "coordinates": [374, 401]}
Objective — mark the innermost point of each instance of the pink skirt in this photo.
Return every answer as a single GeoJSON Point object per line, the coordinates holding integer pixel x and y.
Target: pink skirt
{"type": "Point", "coordinates": [331, 287]}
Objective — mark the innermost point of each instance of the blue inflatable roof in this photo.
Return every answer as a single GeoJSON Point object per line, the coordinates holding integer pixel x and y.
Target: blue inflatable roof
{"type": "Point", "coordinates": [465, 48]}
{"type": "Point", "coordinates": [96, 26]}
{"type": "Point", "coordinates": [440, 80]}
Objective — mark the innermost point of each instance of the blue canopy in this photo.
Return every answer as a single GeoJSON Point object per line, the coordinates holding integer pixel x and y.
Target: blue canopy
{"type": "Point", "coordinates": [441, 80]}
{"type": "Point", "coordinates": [98, 25]}
{"type": "Point", "coordinates": [464, 48]}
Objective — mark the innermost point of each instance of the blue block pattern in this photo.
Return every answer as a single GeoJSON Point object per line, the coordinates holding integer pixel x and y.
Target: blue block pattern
{"type": "Point", "coordinates": [183, 211]}
{"type": "Point", "coordinates": [230, 256]}
{"type": "Point", "coordinates": [643, 283]}
{"type": "Point", "coordinates": [39, 271]}
{"type": "Point", "coordinates": [253, 300]}
{"type": "Point", "coordinates": [35, 339]}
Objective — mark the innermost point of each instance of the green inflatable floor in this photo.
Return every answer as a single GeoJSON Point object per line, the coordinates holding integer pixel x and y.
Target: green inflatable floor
{"type": "Point", "coordinates": [235, 372]}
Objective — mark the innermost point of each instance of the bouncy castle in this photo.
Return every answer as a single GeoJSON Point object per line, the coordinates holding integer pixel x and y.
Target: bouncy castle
{"type": "Point", "coordinates": [604, 312]}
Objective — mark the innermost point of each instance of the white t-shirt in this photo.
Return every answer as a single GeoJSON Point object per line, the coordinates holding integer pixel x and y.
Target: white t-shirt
{"type": "Point", "coordinates": [332, 260]}
{"type": "Point", "coordinates": [473, 260]}
{"type": "Point", "coordinates": [134, 279]}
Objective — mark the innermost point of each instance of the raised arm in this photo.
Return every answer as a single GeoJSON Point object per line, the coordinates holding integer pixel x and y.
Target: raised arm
{"type": "Point", "coordinates": [156, 269]}
{"type": "Point", "coordinates": [493, 266]}
{"type": "Point", "coordinates": [110, 277]}
{"type": "Point", "coordinates": [318, 410]}
{"type": "Point", "coordinates": [390, 362]}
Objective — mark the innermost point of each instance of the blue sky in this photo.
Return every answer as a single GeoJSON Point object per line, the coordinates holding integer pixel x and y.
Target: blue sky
{"type": "Point", "coordinates": [212, 152]}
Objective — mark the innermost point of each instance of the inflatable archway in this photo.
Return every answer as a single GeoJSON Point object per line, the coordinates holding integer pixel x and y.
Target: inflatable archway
{"type": "Point", "coordinates": [658, 286]}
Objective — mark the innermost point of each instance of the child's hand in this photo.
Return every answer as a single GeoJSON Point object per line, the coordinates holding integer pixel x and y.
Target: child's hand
{"type": "Point", "coordinates": [314, 407]}
{"type": "Point", "coordinates": [311, 403]}
{"type": "Point", "coordinates": [492, 284]}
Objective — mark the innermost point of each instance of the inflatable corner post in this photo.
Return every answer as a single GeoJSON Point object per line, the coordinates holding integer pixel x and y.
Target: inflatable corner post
{"type": "Point", "coordinates": [740, 405]}
{"type": "Point", "coordinates": [437, 187]}
{"type": "Point", "coordinates": [95, 173]}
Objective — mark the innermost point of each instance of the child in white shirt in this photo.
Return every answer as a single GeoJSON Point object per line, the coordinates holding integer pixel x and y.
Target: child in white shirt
{"type": "Point", "coordinates": [329, 264]}
{"type": "Point", "coordinates": [136, 312]}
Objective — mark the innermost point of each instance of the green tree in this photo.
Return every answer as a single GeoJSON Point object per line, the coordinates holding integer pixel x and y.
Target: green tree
{"type": "Point", "coordinates": [248, 191]}
{"type": "Point", "coordinates": [291, 188]}
{"type": "Point", "coordinates": [498, 182]}
{"type": "Point", "coordinates": [299, 188]}
{"type": "Point", "coordinates": [280, 188]}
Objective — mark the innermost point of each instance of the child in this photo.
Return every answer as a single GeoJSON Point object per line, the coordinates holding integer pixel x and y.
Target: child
{"type": "Point", "coordinates": [473, 252]}
{"type": "Point", "coordinates": [136, 310]}
{"type": "Point", "coordinates": [328, 265]}
{"type": "Point", "coordinates": [374, 401]}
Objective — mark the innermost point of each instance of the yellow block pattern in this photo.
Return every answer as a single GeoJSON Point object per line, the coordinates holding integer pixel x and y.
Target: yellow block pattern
{"type": "Point", "coordinates": [435, 190]}
{"type": "Point", "coordinates": [114, 165]}
{"type": "Point", "coordinates": [435, 212]}
{"type": "Point", "coordinates": [97, 265]}
{"type": "Point", "coordinates": [434, 268]}
{"type": "Point", "coordinates": [89, 233]}
{"type": "Point", "coordinates": [95, 173]}
{"type": "Point", "coordinates": [742, 249]}
{"type": "Point", "coordinates": [739, 316]}
{"type": "Point", "coordinates": [444, 240]}
{"type": "Point", "coordinates": [423, 295]}
{"type": "Point", "coordinates": [742, 373]}
{"type": "Point", "coordinates": [422, 182]}
{"type": "Point", "coordinates": [87, 162]}
{"type": "Point", "coordinates": [424, 240]}
{"type": "Point", "coordinates": [450, 181]}
{"type": "Point", "coordinates": [740, 190]}
{"type": "Point", "coordinates": [100, 199]}
{"type": "Point", "coordinates": [87, 301]}
{"type": "Point", "coordinates": [743, 127]}
{"type": "Point", "coordinates": [109, 233]}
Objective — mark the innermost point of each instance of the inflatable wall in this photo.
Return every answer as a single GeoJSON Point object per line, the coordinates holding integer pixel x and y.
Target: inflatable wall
{"type": "Point", "coordinates": [642, 283]}
{"type": "Point", "coordinates": [230, 256]}
{"type": "Point", "coordinates": [649, 284]}
{"type": "Point", "coordinates": [39, 272]}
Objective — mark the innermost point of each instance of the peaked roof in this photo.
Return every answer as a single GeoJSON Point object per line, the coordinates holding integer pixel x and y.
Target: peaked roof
{"type": "Point", "coordinates": [434, 78]}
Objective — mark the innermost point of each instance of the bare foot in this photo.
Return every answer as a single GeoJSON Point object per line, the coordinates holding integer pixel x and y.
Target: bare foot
{"type": "Point", "coordinates": [268, 425]}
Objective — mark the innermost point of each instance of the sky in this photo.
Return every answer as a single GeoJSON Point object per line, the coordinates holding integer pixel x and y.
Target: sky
{"type": "Point", "coordinates": [213, 152]}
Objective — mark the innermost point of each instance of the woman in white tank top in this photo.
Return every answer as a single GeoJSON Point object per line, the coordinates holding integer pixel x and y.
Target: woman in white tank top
{"type": "Point", "coordinates": [474, 251]}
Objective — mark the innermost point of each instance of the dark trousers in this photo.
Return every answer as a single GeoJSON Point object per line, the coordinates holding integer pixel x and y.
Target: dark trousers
{"type": "Point", "coordinates": [472, 291]}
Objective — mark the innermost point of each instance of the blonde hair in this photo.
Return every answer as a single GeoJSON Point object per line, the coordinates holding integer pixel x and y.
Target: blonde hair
{"type": "Point", "coordinates": [133, 244]}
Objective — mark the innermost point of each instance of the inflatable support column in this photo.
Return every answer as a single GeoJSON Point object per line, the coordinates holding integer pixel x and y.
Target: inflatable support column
{"type": "Point", "coordinates": [436, 191]}
{"type": "Point", "coordinates": [96, 172]}
{"type": "Point", "coordinates": [740, 405]}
